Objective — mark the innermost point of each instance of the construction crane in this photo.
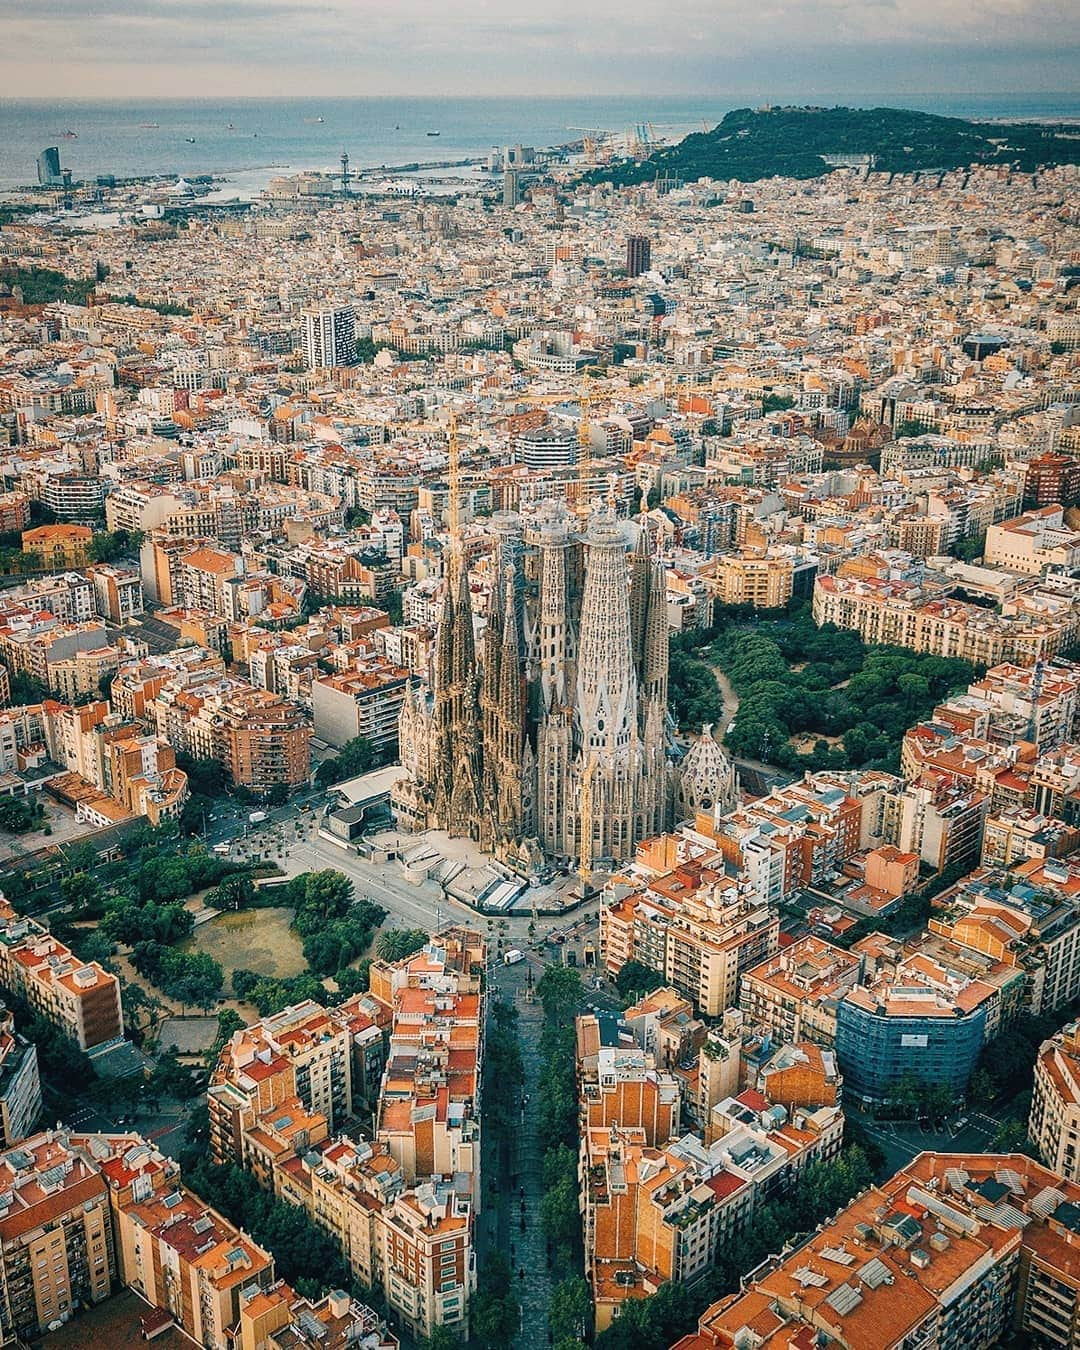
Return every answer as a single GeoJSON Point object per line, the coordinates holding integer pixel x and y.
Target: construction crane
{"type": "Point", "coordinates": [454, 483]}
{"type": "Point", "coordinates": [585, 866]}
{"type": "Point", "coordinates": [595, 142]}
{"type": "Point", "coordinates": [584, 439]}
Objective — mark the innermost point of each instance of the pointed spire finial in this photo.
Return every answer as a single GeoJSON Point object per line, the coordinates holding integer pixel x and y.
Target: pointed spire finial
{"type": "Point", "coordinates": [454, 485]}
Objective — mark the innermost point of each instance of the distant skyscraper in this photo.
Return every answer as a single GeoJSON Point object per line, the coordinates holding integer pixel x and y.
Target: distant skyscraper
{"type": "Point", "coordinates": [511, 191]}
{"type": "Point", "coordinates": [638, 255]}
{"type": "Point", "coordinates": [48, 167]}
{"type": "Point", "coordinates": [329, 337]}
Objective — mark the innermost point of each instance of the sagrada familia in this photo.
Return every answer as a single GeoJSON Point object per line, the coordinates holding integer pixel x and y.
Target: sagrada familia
{"type": "Point", "coordinates": [551, 745]}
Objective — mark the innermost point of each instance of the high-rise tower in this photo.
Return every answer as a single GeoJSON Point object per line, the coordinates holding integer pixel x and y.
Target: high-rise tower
{"type": "Point", "coordinates": [329, 337]}
{"type": "Point", "coordinates": [638, 255]}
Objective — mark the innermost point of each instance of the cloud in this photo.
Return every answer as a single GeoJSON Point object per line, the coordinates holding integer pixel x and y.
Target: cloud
{"type": "Point", "coordinates": [221, 47]}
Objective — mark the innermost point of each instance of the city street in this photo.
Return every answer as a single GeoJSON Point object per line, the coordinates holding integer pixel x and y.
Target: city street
{"type": "Point", "coordinates": [408, 904]}
{"type": "Point", "coordinates": [900, 1141]}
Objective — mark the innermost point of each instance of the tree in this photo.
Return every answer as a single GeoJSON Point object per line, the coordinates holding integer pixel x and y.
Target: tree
{"type": "Point", "coordinates": [229, 1021]}
{"type": "Point", "coordinates": [441, 1338]}
{"type": "Point", "coordinates": [334, 946]}
{"type": "Point", "coordinates": [496, 1314]}
{"type": "Point", "coordinates": [355, 757]}
{"type": "Point", "coordinates": [319, 897]}
{"type": "Point", "coordinates": [205, 776]}
{"type": "Point", "coordinates": [1012, 1137]}
{"type": "Point", "coordinates": [17, 815]}
{"type": "Point", "coordinates": [915, 688]}
{"type": "Point", "coordinates": [635, 978]}
{"type": "Point", "coordinates": [305, 1256]}
{"type": "Point", "coordinates": [560, 993]}
{"type": "Point", "coordinates": [106, 547]}
{"type": "Point", "coordinates": [353, 979]}
{"type": "Point", "coordinates": [188, 977]}
{"type": "Point", "coordinates": [394, 944]}
{"type": "Point", "coordinates": [173, 1079]}
{"type": "Point", "coordinates": [560, 1215]}
{"type": "Point", "coordinates": [570, 1313]}
{"type": "Point", "coordinates": [83, 894]}
{"type": "Point", "coordinates": [232, 893]}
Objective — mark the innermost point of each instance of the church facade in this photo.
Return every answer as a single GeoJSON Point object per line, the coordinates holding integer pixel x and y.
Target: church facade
{"type": "Point", "coordinates": [547, 742]}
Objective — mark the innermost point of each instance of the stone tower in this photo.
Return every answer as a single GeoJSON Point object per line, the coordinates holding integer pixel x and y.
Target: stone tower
{"type": "Point", "coordinates": [554, 744]}
{"type": "Point", "coordinates": [456, 732]}
{"type": "Point", "coordinates": [619, 780]}
{"type": "Point", "coordinates": [705, 779]}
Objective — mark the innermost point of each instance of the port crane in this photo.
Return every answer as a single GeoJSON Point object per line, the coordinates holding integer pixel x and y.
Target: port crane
{"type": "Point", "coordinates": [596, 143]}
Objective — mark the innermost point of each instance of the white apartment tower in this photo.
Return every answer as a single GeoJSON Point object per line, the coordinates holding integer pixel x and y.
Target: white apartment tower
{"type": "Point", "coordinates": [329, 337]}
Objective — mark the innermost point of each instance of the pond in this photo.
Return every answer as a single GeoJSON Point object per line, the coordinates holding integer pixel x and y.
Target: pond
{"type": "Point", "coordinates": [253, 939]}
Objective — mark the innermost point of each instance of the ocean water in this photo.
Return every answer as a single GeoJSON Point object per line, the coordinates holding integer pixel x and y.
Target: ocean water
{"type": "Point", "coordinates": [253, 137]}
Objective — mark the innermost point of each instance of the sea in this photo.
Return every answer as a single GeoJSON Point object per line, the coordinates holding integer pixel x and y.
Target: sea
{"type": "Point", "coordinates": [248, 141]}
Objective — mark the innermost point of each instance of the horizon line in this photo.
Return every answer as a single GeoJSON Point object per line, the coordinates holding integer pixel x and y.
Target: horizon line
{"type": "Point", "coordinates": [785, 101]}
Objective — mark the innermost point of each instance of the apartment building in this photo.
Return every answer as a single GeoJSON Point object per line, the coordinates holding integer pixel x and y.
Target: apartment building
{"type": "Point", "coordinates": [696, 927]}
{"type": "Point", "coordinates": [185, 1259]}
{"type": "Point", "coordinates": [751, 578]}
{"type": "Point", "coordinates": [941, 821]}
{"type": "Point", "coordinates": [364, 701]}
{"type": "Point", "coordinates": [427, 1111]}
{"type": "Point", "coordinates": [261, 740]}
{"type": "Point", "coordinates": [138, 682]}
{"type": "Point", "coordinates": [954, 1249]}
{"type": "Point", "coordinates": [81, 998]}
{"type": "Point", "coordinates": [619, 1083]}
{"type": "Point", "coordinates": [20, 1083]}
{"type": "Point", "coordinates": [1054, 1118]}
{"type": "Point", "coordinates": [918, 1023]}
{"type": "Point", "coordinates": [118, 592]}
{"type": "Point", "coordinates": [903, 614]}
{"type": "Point", "coordinates": [651, 1215]}
{"type": "Point", "coordinates": [427, 1262]}
{"type": "Point", "coordinates": [34, 642]}
{"type": "Point", "coordinates": [1012, 703]}
{"type": "Point", "coordinates": [57, 1250]}
{"type": "Point", "coordinates": [279, 1319]}
{"type": "Point", "coordinates": [795, 993]}
{"type": "Point", "coordinates": [1027, 918]}
{"type": "Point", "coordinates": [1033, 542]}
{"type": "Point", "coordinates": [67, 596]}
{"type": "Point", "coordinates": [60, 546]}
{"type": "Point", "coordinates": [401, 1207]}
{"type": "Point", "coordinates": [654, 1213]}
{"type": "Point", "coordinates": [304, 1051]}
{"type": "Point", "coordinates": [1016, 834]}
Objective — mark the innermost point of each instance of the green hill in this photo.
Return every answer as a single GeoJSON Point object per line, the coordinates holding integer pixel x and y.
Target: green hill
{"type": "Point", "coordinates": [791, 143]}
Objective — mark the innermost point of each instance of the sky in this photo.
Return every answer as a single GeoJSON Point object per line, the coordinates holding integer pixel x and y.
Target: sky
{"type": "Point", "coordinates": [771, 48]}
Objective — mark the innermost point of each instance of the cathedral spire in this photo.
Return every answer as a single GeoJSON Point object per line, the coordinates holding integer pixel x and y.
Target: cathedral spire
{"type": "Point", "coordinates": [458, 750]}
{"type": "Point", "coordinates": [453, 503]}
